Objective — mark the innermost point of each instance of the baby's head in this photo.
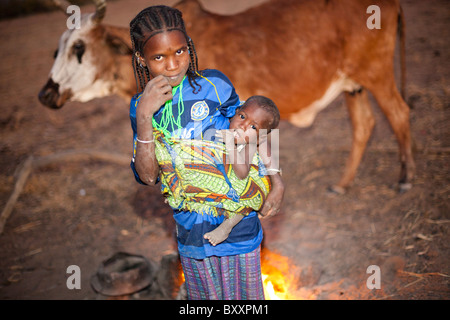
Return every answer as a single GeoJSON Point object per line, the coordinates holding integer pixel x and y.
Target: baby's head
{"type": "Point", "coordinates": [257, 113]}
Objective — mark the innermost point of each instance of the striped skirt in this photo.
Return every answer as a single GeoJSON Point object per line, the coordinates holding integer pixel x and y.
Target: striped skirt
{"type": "Point", "coordinates": [235, 277]}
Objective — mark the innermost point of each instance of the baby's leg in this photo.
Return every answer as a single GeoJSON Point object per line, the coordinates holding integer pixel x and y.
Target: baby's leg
{"type": "Point", "coordinates": [220, 233]}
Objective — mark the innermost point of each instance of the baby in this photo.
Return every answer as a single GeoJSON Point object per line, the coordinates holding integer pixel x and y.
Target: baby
{"type": "Point", "coordinates": [242, 139]}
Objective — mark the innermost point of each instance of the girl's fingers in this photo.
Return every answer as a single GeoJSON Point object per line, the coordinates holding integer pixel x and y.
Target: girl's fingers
{"type": "Point", "coordinates": [163, 86]}
{"type": "Point", "coordinates": [168, 96]}
{"type": "Point", "coordinates": [158, 90]}
{"type": "Point", "coordinates": [154, 96]}
{"type": "Point", "coordinates": [167, 88]}
{"type": "Point", "coordinates": [159, 82]}
{"type": "Point", "coordinates": [159, 79]}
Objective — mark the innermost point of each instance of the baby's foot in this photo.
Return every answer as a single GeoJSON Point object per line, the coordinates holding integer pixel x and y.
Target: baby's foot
{"type": "Point", "coordinates": [218, 235]}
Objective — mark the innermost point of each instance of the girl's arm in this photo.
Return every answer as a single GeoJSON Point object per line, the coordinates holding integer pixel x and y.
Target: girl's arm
{"type": "Point", "coordinates": [145, 161]}
{"type": "Point", "coordinates": [272, 205]}
{"type": "Point", "coordinates": [155, 94]}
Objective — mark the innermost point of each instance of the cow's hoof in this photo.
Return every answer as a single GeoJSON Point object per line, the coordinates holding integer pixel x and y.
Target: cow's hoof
{"type": "Point", "coordinates": [336, 190]}
{"type": "Point", "coordinates": [403, 187]}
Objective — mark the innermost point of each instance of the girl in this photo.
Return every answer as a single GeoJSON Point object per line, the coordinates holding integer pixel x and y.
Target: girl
{"type": "Point", "coordinates": [178, 101]}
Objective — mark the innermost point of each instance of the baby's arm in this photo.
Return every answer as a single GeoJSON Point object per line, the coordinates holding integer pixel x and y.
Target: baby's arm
{"type": "Point", "coordinates": [242, 159]}
{"type": "Point", "coordinates": [239, 157]}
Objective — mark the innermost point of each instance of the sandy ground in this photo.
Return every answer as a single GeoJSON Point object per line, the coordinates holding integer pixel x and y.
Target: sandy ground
{"type": "Point", "coordinates": [81, 212]}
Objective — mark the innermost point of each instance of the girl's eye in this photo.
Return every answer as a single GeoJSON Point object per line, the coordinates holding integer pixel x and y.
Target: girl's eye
{"type": "Point", "coordinates": [158, 58]}
{"type": "Point", "coordinates": [180, 52]}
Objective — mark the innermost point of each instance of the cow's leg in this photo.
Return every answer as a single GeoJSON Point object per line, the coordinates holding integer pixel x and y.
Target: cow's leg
{"type": "Point", "coordinates": [362, 122]}
{"type": "Point", "coordinates": [397, 113]}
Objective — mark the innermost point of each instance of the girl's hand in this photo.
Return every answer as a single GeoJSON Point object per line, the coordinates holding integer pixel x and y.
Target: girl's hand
{"type": "Point", "coordinates": [272, 205]}
{"type": "Point", "coordinates": [156, 93]}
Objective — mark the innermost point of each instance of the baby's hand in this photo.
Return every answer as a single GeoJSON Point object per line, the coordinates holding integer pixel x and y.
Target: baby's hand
{"type": "Point", "coordinates": [219, 136]}
{"type": "Point", "coordinates": [225, 136]}
{"type": "Point", "coordinates": [262, 138]}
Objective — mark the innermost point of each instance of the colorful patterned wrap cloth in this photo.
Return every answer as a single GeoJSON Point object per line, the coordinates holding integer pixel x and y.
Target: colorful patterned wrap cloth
{"type": "Point", "coordinates": [194, 178]}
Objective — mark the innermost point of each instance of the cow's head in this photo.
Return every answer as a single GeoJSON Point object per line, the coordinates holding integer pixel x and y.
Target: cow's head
{"type": "Point", "coordinates": [84, 60]}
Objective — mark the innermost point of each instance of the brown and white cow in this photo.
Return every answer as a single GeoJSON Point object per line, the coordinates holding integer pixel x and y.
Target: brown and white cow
{"type": "Point", "coordinates": [300, 53]}
{"type": "Point", "coordinates": [91, 62]}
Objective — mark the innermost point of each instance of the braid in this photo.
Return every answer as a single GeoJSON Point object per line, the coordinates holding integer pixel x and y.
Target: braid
{"type": "Point", "coordinates": [193, 66]}
{"type": "Point", "coordinates": [149, 22]}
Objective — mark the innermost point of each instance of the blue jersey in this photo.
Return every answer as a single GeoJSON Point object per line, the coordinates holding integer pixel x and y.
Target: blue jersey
{"type": "Point", "coordinates": [201, 113]}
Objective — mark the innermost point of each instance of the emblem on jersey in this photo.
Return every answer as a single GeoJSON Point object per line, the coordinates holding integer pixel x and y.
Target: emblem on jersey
{"type": "Point", "coordinates": [199, 111]}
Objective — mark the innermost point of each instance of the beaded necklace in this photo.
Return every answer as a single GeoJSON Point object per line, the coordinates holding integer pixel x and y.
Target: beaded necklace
{"type": "Point", "coordinates": [167, 117]}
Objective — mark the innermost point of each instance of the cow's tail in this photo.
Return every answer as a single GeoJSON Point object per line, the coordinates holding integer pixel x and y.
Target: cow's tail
{"type": "Point", "coordinates": [401, 34]}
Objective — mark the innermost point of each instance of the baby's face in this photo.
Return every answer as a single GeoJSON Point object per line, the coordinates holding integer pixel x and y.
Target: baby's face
{"type": "Point", "coordinates": [248, 122]}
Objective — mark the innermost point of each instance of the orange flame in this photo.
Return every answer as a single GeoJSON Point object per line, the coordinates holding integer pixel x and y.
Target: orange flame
{"type": "Point", "coordinates": [278, 277]}
{"type": "Point", "coordinates": [269, 290]}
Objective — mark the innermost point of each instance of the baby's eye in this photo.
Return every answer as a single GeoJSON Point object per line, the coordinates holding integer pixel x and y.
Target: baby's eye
{"type": "Point", "coordinates": [253, 127]}
{"type": "Point", "coordinates": [242, 116]}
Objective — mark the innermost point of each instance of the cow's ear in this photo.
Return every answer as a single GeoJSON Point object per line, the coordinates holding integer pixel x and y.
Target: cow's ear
{"type": "Point", "coordinates": [118, 45]}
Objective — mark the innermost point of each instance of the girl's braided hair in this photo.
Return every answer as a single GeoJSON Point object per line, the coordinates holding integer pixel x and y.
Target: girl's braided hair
{"type": "Point", "coordinates": [149, 22]}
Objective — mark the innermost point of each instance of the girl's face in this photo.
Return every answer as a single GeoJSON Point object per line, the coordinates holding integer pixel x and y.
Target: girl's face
{"type": "Point", "coordinates": [167, 54]}
{"type": "Point", "coordinates": [247, 122]}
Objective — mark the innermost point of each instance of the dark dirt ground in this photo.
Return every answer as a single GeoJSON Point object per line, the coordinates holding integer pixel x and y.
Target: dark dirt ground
{"type": "Point", "coordinates": [81, 212]}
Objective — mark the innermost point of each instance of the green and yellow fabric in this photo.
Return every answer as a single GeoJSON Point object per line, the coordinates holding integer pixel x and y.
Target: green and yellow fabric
{"type": "Point", "coordinates": [195, 177]}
